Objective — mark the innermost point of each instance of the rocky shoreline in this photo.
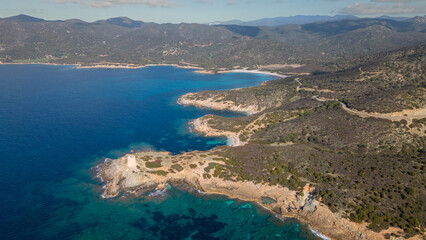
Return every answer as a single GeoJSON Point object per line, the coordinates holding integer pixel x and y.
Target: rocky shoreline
{"type": "Point", "coordinates": [201, 126]}
{"type": "Point", "coordinates": [144, 172]}
{"type": "Point", "coordinates": [216, 103]}
{"type": "Point", "coordinates": [112, 65]}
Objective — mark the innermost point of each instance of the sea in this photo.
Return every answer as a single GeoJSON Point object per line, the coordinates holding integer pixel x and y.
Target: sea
{"type": "Point", "coordinates": [58, 122]}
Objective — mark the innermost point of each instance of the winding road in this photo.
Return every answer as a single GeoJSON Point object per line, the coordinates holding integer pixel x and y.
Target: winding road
{"type": "Point", "coordinates": [408, 114]}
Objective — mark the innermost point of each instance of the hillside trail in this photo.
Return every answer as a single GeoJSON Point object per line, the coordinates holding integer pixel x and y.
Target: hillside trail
{"type": "Point", "coordinates": [408, 114]}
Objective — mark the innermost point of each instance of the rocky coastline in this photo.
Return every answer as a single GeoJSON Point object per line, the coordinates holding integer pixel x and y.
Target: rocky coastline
{"type": "Point", "coordinates": [144, 172]}
{"type": "Point", "coordinates": [217, 103]}
{"type": "Point", "coordinates": [201, 125]}
{"type": "Point", "coordinates": [113, 65]}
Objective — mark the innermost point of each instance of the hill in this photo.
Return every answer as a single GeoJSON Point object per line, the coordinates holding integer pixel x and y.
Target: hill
{"type": "Point", "coordinates": [24, 18]}
{"type": "Point", "coordinates": [299, 19]}
{"type": "Point", "coordinates": [277, 21]}
{"type": "Point", "coordinates": [122, 40]}
{"type": "Point", "coordinates": [123, 22]}
{"type": "Point", "coordinates": [357, 135]}
{"type": "Point", "coordinates": [418, 19]}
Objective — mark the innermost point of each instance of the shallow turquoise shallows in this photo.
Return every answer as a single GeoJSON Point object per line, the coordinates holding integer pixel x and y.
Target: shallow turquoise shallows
{"type": "Point", "coordinates": [57, 122]}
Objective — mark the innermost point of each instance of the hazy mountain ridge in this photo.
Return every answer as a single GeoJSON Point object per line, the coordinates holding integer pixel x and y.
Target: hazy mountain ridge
{"type": "Point", "coordinates": [23, 18]}
{"type": "Point", "coordinates": [298, 19]}
{"type": "Point", "coordinates": [127, 41]}
{"type": "Point", "coordinates": [418, 19]}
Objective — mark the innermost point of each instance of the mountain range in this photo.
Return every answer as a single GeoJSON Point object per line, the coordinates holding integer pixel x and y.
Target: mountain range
{"type": "Point", "coordinates": [271, 22]}
{"type": "Point", "coordinates": [298, 19]}
{"type": "Point", "coordinates": [123, 40]}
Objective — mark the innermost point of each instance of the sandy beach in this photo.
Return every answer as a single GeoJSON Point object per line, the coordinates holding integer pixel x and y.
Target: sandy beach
{"type": "Point", "coordinates": [255, 72]}
{"type": "Point", "coordinates": [134, 66]}
{"type": "Point", "coordinates": [112, 65]}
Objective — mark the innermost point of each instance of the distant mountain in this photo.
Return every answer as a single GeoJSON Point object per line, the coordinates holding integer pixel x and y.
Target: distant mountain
{"type": "Point", "coordinates": [75, 21]}
{"type": "Point", "coordinates": [119, 21]}
{"type": "Point", "coordinates": [299, 19]}
{"type": "Point", "coordinates": [124, 40]}
{"type": "Point", "coordinates": [418, 19]}
{"type": "Point", "coordinates": [124, 22]}
{"type": "Point", "coordinates": [24, 18]}
{"type": "Point", "coordinates": [344, 26]}
{"type": "Point", "coordinates": [231, 22]}
{"type": "Point", "coordinates": [393, 18]}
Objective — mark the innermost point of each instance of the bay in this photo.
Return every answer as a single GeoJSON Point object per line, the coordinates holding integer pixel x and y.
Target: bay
{"type": "Point", "coordinates": [57, 122]}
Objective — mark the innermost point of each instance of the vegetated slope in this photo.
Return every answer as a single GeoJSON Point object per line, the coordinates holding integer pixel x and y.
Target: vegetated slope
{"type": "Point", "coordinates": [127, 41]}
{"type": "Point", "coordinates": [367, 169]}
{"type": "Point", "coordinates": [347, 38]}
{"type": "Point", "coordinates": [74, 40]}
{"type": "Point", "coordinates": [385, 82]}
{"type": "Point", "coordinates": [419, 19]}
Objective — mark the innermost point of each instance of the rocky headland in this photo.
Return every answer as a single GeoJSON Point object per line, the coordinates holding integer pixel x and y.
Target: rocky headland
{"type": "Point", "coordinates": [217, 102]}
{"type": "Point", "coordinates": [343, 156]}
{"type": "Point", "coordinates": [144, 172]}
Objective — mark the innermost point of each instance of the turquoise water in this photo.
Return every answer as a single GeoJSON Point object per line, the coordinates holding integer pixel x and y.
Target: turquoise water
{"type": "Point", "coordinates": [57, 122]}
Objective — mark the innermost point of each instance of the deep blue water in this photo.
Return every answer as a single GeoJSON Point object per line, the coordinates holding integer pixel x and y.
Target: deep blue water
{"type": "Point", "coordinates": [56, 122]}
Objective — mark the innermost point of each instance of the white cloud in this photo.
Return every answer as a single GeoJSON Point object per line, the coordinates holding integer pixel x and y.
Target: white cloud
{"type": "Point", "coordinates": [399, 1]}
{"type": "Point", "coordinates": [233, 2]}
{"type": "Point", "coordinates": [110, 3]}
{"type": "Point", "coordinates": [379, 9]}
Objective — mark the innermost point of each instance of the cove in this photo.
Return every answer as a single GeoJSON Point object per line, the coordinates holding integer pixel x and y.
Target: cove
{"type": "Point", "coordinates": [57, 122]}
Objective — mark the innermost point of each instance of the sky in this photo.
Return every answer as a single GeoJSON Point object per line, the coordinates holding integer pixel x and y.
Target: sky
{"type": "Point", "coordinates": [205, 11]}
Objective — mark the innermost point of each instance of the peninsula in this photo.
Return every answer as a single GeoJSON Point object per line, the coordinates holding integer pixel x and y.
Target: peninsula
{"type": "Point", "coordinates": [339, 143]}
{"type": "Point", "coordinates": [332, 149]}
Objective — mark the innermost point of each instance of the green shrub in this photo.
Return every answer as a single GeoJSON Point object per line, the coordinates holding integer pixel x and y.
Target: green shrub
{"type": "Point", "coordinates": [155, 164]}
{"type": "Point", "coordinates": [177, 167]}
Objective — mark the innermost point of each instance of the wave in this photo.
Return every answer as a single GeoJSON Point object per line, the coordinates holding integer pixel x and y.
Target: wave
{"type": "Point", "coordinates": [318, 234]}
{"type": "Point", "coordinates": [158, 193]}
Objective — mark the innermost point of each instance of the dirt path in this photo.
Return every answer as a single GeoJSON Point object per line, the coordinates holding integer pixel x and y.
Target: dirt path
{"type": "Point", "coordinates": [408, 114]}
{"type": "Point", "coordinates": [395, 116]}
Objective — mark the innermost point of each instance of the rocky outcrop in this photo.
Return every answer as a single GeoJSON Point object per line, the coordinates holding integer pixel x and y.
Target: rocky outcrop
{"type": "Point", "coordinates": [136, 174]}
{"type": "Point", "coordinates": [201, 125]}
{"type": "Point", "coordinates": [217, 102]}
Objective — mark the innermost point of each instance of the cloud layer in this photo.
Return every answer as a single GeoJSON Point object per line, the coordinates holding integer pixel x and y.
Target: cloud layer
{"type": "Point", "coordinates": [110, 3]}
{"type": "Point", "coordinates": [374, 7]}
{"type": "Point", "coordinates": [398, 7]}
{"type": "Point", "coordinates": [397, 1]}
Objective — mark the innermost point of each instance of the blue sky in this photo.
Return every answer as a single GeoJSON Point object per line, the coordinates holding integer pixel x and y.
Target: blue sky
{"type": "Point", "coordinates": [203, 11]}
